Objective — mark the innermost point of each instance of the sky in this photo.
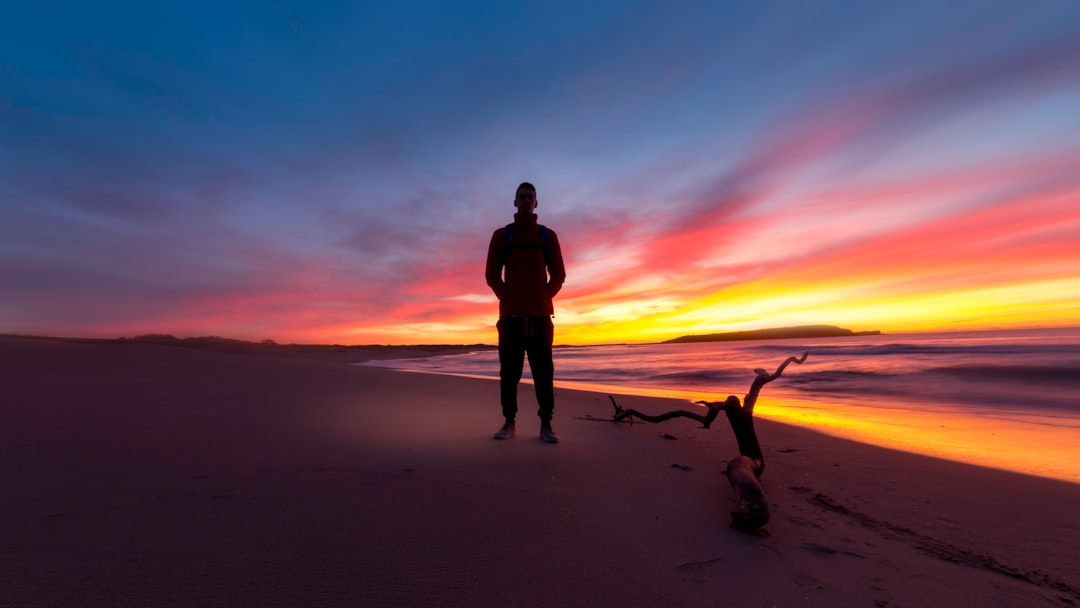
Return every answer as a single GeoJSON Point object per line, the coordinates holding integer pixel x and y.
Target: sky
{"type": "Point", "coordinates": [331, 172]}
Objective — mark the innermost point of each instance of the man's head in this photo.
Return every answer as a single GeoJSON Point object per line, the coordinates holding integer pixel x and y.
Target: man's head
{"type": "Point", "coordinates": [525, 198]}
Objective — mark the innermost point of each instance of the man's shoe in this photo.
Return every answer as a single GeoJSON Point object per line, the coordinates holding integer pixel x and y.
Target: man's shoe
{"type": "Point", "coordinates": [547, 435]}
{"type": "Point", "coordinates": [506, 432]}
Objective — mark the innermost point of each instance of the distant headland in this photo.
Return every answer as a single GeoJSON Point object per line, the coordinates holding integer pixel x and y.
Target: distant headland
{"type": "Point", "coordinates": [422, 350]}
{"type": "Point", "coordinates": [776, 333]}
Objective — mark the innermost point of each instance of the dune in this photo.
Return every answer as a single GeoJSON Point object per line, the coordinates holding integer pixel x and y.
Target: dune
{"type": "Point", "coordinates": [142, 474]}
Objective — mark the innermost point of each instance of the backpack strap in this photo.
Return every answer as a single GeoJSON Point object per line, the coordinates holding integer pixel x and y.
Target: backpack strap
{"type": "Point", "coordinates": [508, 246]}
{"type": "Point", "coordinates": [544, 244]}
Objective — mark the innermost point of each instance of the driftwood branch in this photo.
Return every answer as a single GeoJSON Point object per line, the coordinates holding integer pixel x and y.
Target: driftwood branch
{"type": "Point", "coordinates": [713, 411]}
{"type": "Point", "coordinates": [743, 471]}
{"type": "Point", "coordinates": [764, 377]}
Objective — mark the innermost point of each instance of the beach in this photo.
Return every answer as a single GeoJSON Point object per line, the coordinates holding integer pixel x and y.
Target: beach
{"type": "Point", "coordinates": [140, 474]}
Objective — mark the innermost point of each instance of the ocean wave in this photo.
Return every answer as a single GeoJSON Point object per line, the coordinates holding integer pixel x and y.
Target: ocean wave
{"type": "Point", "coordinates": [905, 348]}
{"type": "Point", "coordinates": [596, 374]}
{"type": "Point", "coordinates": [700, 377]}
{"type": "Point", "coordinates": [848, 381]}
{"type": "Point", "coordinates": [997, 387]}
{"type": "Point", "coordinates": [1013, 373]}
{"type": "Point", "coordinates": [834, 376]}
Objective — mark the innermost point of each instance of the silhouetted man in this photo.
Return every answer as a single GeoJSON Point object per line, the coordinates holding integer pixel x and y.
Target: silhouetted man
{"type": "Point", "coordinates": [534, 273]}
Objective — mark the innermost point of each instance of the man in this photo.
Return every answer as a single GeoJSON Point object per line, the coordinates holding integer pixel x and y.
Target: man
{"type": "Point", "coordinates": [534, 273]}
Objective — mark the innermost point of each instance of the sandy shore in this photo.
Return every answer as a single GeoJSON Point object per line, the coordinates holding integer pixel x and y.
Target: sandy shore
{"type": "Point", "coordinates": [148, 475]}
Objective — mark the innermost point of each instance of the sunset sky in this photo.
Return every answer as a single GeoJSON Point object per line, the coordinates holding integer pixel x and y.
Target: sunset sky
{"type": "Point", "coordinates": [332, 171]}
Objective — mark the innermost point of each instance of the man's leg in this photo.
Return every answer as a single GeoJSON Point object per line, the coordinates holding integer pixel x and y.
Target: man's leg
{"type": "Point", "coordinates": [543, 372]}
{"type": "Point", "coordinates": [511, 361]}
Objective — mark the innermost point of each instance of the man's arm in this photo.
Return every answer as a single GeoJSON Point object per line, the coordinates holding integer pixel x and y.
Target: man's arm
{"type": "Point", "coordinates": [493, 271]}
{"type": "Point", "coordinates": [556, 269]}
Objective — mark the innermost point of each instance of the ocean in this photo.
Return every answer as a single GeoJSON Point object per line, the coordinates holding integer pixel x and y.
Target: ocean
{"type": "Point", "coordinates": [1007, 399]}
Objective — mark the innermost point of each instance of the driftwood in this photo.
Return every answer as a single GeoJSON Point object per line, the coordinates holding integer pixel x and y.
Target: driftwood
{"type": "Point", "coordinates": [743, 471]}
{"type": "Point", "coordinates": [714, 409]}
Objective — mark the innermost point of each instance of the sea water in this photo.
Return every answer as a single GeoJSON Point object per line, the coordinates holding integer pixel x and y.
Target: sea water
{"type": "Point", "coordinates": [1008, 399]}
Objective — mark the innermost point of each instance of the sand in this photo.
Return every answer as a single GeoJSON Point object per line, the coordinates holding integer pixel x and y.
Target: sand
{"type": "Point", "coordinates": [153, 475]}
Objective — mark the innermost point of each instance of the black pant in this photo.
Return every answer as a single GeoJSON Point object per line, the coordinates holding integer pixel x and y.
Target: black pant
{"type": "Point", "coordinates": [518, 336]}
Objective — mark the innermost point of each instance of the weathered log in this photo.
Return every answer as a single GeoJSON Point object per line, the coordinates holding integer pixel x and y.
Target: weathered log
{"type": "Point", "coordinates": [751, 509]}
{"type": "Point", "coordinates": [743, 471]}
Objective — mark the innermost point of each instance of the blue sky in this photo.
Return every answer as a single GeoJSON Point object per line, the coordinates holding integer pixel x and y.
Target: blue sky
{"type": "Point", "coordinates": [332, 171]}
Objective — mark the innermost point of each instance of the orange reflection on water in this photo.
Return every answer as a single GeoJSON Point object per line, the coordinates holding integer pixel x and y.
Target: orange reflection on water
{"type": "Point", "coordinates": [1013, 441]}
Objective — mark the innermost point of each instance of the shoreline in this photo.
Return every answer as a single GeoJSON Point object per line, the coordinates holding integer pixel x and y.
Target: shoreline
{"type": "Point", "coordinates": [958, 435]}
{"type": "Point", "coordinates": [177, 476]}
{"type": "Point", "coordinates": [968, 432]}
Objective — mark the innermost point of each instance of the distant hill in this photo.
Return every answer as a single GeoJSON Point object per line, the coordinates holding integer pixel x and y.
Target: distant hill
{"type": "Point", "coordinates": [776, 333]}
